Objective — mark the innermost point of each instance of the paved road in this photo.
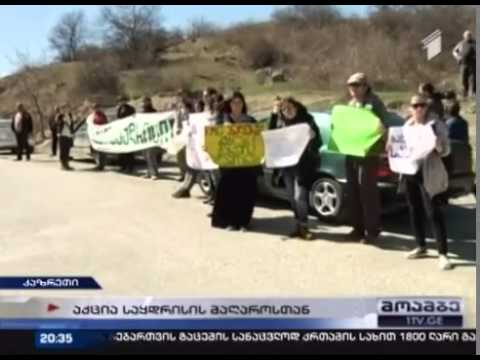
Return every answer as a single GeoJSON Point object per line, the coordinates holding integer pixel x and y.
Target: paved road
{"type": "Point", "coordinates": [135, 239]}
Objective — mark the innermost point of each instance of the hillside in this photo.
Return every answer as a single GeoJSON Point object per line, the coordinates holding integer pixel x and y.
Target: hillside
{"type": "Point", "coordinates": [217, 61]}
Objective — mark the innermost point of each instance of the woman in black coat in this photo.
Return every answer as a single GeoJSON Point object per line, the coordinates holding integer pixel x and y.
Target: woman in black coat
{"type": "Point", "coordinates": [299, 178]}
{"type": "Point", "coordinates": [237, 188]}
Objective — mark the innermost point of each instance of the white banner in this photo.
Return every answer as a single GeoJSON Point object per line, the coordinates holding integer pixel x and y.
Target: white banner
{"type": "Point", "coordinates": [408, 146]}
{"type": "Point", "coordinates": [179, 141]}
{"type": "Point", "coordinates": [284, 147]}
{"type": "Point", "coordinates": [134, 133]}
{"type": "Point", "coordinates": [197, 157]}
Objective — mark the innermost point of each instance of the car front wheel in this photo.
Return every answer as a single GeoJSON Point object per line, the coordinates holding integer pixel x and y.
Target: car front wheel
{"type": "Point", "coordinates": [205, 183]}
{"type": "Point", "coordinates": [326, 200]}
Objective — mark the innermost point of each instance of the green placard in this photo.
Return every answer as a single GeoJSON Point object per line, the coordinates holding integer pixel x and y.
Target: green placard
{"type": "Point", "coordinates": [354, 130]}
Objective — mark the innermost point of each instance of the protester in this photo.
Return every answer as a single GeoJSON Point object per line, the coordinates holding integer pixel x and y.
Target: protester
{"type": "Point", "coordinates": [199, 106]}
{"type": "Point", "coordinates": [465, 54]}
{"type": "Point", "coordinates": [65, 130]}
{"type": "Point", "coordinates": [124, 110]}
{"type": "Point", "coordinates": [99, 118]}
{"type": "Point", "coordinates": [362, 172]}
{"type": "Point", "coordinates": [148, 108]}
{"type": "Point", "coordinates": [450, 95]}
{"type": "Point", "coordinates": [208, 94]}
{"type": "Point", "coordinates": [215, 108]}
{"type": "Point", "coordinates": [457, 125]}
{"type": "Point", "coordinates": [22, 126]}
{"type": "Point", "coordinates": [181, 118]}
{"type": "Point", "coordinates": [191, 175]}
{"type": "Point", "coordinates": [424, 189]}
{"type": "Point", "coordinates": [299, 178]}
{"type": "Point", "coordinates": [434, 100]}
{"type": "Point", "coordinates": [237, 188]}
{"type": "Point", "coordinates": [52, 124]}
{"type": "Point", "coordinates": [276, 120]}
{"type": "Point", "coordinates": [151, 154]}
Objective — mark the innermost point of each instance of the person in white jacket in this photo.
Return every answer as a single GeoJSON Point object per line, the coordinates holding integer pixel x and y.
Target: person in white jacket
{"type": "Point", "coordinates": [424, 189]}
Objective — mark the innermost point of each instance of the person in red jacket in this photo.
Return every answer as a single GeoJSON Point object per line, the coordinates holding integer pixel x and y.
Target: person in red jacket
{"type": "Point", "coordinates": [99, 118]}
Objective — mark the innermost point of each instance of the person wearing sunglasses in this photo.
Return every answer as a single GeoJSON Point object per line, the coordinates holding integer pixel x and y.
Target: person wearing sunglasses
{"type": "Point", "coordinates": [424, 190]}
{"type": "Point", "coordinates": [361, 172]}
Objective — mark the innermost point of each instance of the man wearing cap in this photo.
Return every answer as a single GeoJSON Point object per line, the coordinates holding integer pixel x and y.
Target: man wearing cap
{"type": "Point", "coordinates": [125, 110]}
{"type": "Point", "coordinates": [22, 126]}
{"type": "Point", "coordinates": [361, 173]}
{"type": "Point", "coordinates": [465, 54]}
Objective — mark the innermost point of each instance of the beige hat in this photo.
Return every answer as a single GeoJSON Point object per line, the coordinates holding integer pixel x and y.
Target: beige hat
{"type": "Point", "coordinates": [467, 34]}
{"type": "Point", "coordinates": [358, 78]}
{"type": "Point", "coordinates": [418, 99]}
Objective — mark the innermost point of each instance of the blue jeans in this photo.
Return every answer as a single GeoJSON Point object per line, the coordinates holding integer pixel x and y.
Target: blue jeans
{"type": "Point", "coordinates": [297, 195]}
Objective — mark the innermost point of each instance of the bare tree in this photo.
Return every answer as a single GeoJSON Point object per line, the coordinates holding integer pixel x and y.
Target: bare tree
{"type": "Point", "coordinates": [200, 27]}
{"type": "Point", "coordinates": [311, 15]}
{"type": "Point", "coordinates": [31, 86]}
{"type": "Point", "coordinates": [68, 36]}
{"type": "Point", "coordinates": [133, 30]}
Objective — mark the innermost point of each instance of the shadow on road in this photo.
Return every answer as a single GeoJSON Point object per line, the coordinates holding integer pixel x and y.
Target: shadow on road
{"type": "Point", "coordinates": [397, 235]}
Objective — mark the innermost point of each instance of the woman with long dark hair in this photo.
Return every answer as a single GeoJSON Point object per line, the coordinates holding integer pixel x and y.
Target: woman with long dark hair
{"type": "Point", "coordinates": [237, 189]}
{"type": "Point", "coordinates": [299, 178]}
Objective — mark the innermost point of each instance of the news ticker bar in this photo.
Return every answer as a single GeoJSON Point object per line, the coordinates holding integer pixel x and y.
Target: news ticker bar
{"type": "Point", "coordinates": [29, 313]}
{"type": "Point", "coordinates": [355, 341]}
{"type": "Point", "coordinates": [48, 283]}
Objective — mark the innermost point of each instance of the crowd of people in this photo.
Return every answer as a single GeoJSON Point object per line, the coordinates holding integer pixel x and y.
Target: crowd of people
{"type": "Point", "coordinates": [234, 192]}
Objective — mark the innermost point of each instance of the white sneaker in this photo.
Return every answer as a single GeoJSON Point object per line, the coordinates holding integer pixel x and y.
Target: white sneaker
{"type": "Point", "coordinates": [417, 253]}
{"type": "Point", "coordinates": [444, 263]}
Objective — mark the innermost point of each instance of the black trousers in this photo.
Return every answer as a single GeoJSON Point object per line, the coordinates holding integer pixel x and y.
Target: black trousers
{"type": "Point", "coordinates": [423, 209]}
{"type": "Point", "coordinates": [22, 146]}
{"type": "Point", "coordinates": [54, 144]}
{"type": "Point", "coordinates": [127, 162]}
{"type": "Point", "coordinates": [65, 144]}
{"type": "Point", "coordinates": [235, 198]}
{"type": "Point", "coordinates": [297, 195]}
{"type": "Point", "coordinates": [469, 79]}
{"type": "Point", "coordinates": [363, 194]}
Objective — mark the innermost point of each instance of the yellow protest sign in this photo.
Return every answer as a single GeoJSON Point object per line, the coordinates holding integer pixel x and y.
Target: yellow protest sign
{"type": "Point", "coordinates": [235, 145]}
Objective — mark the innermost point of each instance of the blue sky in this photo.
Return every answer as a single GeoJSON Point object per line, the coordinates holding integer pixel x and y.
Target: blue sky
{"type": "Point", "coordinates": [25, 28]}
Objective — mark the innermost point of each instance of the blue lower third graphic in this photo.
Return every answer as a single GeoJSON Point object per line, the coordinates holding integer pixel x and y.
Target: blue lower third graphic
{"type": "Point", "coordinates": [48, 283]}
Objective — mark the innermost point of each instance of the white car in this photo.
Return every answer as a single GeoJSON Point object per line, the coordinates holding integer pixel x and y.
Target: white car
{"type": "Point", "coordinates": [7, 137]}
